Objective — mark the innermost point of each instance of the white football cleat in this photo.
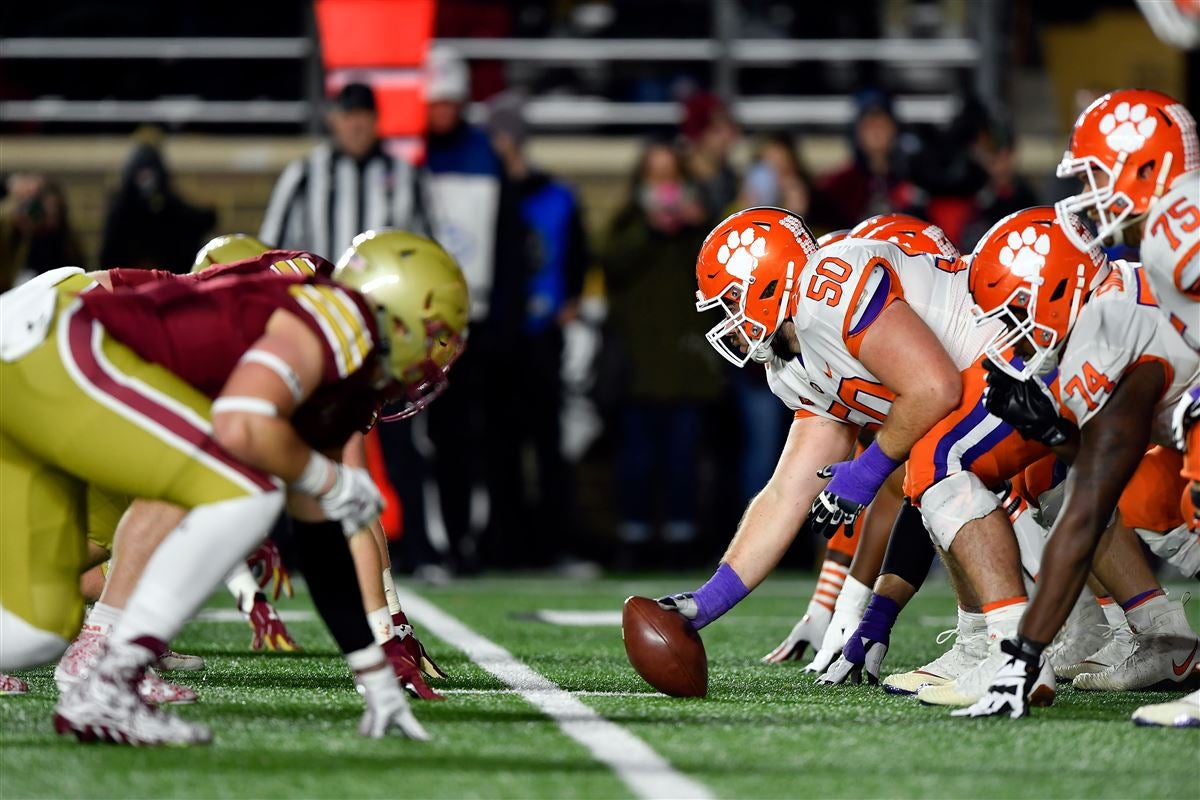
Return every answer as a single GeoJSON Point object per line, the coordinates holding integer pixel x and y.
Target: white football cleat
{"type": "Point", "coordinates": [1181, 713]}
{"type": "Point", "coordinates": [808, 632]}
{"type": "Point", "coordinates": [83, 654]}
{"type": "Point", "coordinates": [970, 648]}
{"type": "Point", "coordinates": [973, 684]}
{"type": "Point", "coordinates": [1164, 653]}
{"type": "Point", "coordinates": [105, 706]}
{"type": "Point", "coordinates": [1119, 647]}
{"type": "Point", "coordinates": [1085, 632]}
{"type": "Point", "coordinates": [170, 661]}
{"type": "Point", "coordinates": [12, 685]}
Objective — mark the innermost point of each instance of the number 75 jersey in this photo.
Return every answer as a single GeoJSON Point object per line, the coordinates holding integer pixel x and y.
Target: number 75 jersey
{"type": "Point", "coordinates": [1119, 328]}
{"type": "Point", "coordinates": [1171, 254]}
{"type": "Point", "coordinates": [843, 289]}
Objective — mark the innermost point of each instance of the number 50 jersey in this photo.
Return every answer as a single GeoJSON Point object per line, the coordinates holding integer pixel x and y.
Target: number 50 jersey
{"type": "Point", "coordinates": [843, 289]}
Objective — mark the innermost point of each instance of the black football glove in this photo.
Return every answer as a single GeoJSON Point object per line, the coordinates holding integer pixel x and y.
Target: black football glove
{"type": "Point", "coordinates": [1010, 690]}
{"type": "Point", "coordinates": [1027, 406]}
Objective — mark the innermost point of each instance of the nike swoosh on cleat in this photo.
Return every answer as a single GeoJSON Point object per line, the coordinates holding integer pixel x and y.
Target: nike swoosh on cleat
{"type": "Point", "coordinates": [1179, 669]}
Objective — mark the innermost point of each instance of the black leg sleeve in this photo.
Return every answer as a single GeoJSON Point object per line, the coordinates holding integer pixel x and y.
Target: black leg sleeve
{"type": "Point", "coordinates": [910, 551]}
{"type": "Point", "coordinates": [328, 569]}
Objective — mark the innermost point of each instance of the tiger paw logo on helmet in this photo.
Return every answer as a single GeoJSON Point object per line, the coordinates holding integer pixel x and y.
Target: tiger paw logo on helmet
{"type": "Point", "coordinates": [740, 253]}
{"type": "Point", "coordinates": [1127, 127]}
{"type": "Point", "coordinates": [1025, 253]}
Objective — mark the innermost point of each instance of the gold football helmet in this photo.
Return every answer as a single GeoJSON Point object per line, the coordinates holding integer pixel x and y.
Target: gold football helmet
{"type": "Point", "coordinates": [227, 249]}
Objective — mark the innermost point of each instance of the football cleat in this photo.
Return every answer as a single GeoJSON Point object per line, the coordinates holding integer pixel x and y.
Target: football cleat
{"type": "Point", "coordinates": [972, 685]}
{"type": "Point", "coordinates": [171, 661]}
{"type": "Point", "coordinates": [105, 706]}
{"type": "Point", "coordinates": [83, 654]}
{"type": "Point", "coordinates": [269, 631]}
{"type": "Point", "coordinates": [1119, 648]}
{"type": "Point", "coordinates": [970, 648]}
{"type": "Point", "coordinates": [1085, 632]}
{"type": "Point", "coordinates": [12, 685]}
{"type": "Point", "coordinates": [407, 670]}
{"type": "Point", "coordinates": [808, 632]}
{"type": "Point", "coordinates": [1181, 713]}
{"type": "Point", "coordinates": [415, 649]}
{"type": "Point", "coordinates": [1164, 653]}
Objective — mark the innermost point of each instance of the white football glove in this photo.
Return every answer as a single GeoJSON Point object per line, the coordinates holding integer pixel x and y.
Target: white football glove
{"type": "Point", "coordinates": [806, 633]}
{"type": "Point", "coordinates": [352, 500]}
{"type": "Point", "coordinates": [387, 706]}
{"type": "Point", "coordinates": [847, 613]}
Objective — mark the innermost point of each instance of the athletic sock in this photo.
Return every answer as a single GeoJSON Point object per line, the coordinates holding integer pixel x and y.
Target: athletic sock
{"type": "Point", "coordinates": [1141, 610]}
{"type": "Point", "coordinates": [101, 619]}
{"type": "Point", "coordinates": [1003, 617]}
{"type": "Point", "coordinates": [829, 586]}
{"type": "Point", "coordinates": [241, 584]}
{"type": "Point", "coordinates": [1114, 615]}
{"type": "Point", "coordinates": [723, 591]}
{"type": "Point", "coordinates": [971, 623]}
{"type": "Point", "coordinates": [190, 563]}
{"type": "Point", "coordinates": [389, 591]}
{"type": "Point", "coordinates": [380, 621]}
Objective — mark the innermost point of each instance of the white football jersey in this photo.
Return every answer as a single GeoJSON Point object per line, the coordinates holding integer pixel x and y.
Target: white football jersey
{"type": "Point", "coordinates": [1119, 327]}
{"type": "Point", "coordinates": [842, 289]}
{"type": "Point", "coordinates": [1171, 254]}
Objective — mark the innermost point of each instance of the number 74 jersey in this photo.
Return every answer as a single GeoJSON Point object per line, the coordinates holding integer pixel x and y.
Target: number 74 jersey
{"type": "Point", "coordinates": [843, 289]}
{"type": "Point", "coordinates": [1119, 328]}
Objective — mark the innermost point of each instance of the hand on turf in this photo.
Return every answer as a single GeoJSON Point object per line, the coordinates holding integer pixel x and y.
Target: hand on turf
{"type": "Point", "coordinates": [795, 645]}
{"type": "Point", "coordinates": [835, 638]}
{"type": "Point", "coordinates": [269, 631]}
{"type": "Point", "coordinates": [682, 603]}
{"type": "Point", "coordinates": [1026, 405]}
{"type": "Point", "coordinates": [1010, 688]}
{"type": "Point", "coordinates": [1186, 414]}
{"type": "Point", "coordinates": [353, 499]}
{"type": "Point", "coordinates": [387, 707]}
{"type": "Point", "coordinates": [861, 654]}
{"type": "Point", "coordinates": [267, 564]}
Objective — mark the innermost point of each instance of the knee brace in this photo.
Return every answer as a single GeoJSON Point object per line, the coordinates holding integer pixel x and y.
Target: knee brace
{"type": "Point", "coordinates": [1179, 547]}
{"type": "Point", "coordinates": [951, 503]}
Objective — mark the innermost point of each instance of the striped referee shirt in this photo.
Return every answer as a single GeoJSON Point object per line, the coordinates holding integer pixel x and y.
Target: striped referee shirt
{"type": "Point", "coordinates": [322, 201]}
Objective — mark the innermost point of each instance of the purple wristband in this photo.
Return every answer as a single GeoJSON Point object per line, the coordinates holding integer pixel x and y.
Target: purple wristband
{"type": "Point", "coordinates": [860, 479]}
{"type": "Point", "coordinates": [723, 591]}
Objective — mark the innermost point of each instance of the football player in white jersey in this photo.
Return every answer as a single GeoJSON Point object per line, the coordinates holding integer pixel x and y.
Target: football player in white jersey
{"type": "Point", "coordinates": [1139, 154]}
{"type": "Point", "coordinates": [1122, 368]}
{"type": "Point", "coordinates": [856, 334]}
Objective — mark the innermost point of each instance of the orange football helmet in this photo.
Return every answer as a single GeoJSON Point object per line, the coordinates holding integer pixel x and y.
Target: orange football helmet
{"type": "Point", "coordinates": [1128, 145]}
{"type": "Point", "coordinates": [1027, 273]}
{"type": "Point", "coordinates": [748, 266]}
{"type": "Point", "coordinates": [913, 236]}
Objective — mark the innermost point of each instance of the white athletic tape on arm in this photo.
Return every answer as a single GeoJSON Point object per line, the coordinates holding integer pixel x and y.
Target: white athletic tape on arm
{"type": "Point", "coordinates": [279, 367]}
{"type": "Point", "coordinates": [317, 475]}
{"type": "Point", "coordinates": [246, 405]}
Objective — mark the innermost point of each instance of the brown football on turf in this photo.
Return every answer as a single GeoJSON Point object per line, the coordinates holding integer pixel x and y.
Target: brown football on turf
{"type": "Point", "coordinates": [664, 649]}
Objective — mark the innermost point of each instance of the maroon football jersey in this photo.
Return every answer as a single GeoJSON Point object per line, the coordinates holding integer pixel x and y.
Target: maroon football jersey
{"type": "Point", "coordinates": [199, 330]}
{"type": "Point", "coordinates": [281, 262]}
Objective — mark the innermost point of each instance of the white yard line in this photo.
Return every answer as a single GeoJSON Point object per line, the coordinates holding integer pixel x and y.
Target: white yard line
{"type": "Point", "coordinates": [636, 764]}
{"type": "Point", "coordinates": [233, 615]}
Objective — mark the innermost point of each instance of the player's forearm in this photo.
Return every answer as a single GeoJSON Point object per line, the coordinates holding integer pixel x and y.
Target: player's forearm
{"type": "Point", "coordinates": [914, 413]}
{"type": "Point", "coordinates": [266, 443]}
{"type": "Point", "coordinates": [1066, 562]}
{"type": "Point", "coordinates": [766, 532]}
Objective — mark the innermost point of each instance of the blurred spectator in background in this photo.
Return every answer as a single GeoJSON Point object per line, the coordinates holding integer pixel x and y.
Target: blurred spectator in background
{"type": "Point", "coordinates": [346, 185]}
{"type": "Point", "coordinates": [471, 441]}
{"type": "Point", "coordinates": [1005, 191]}
{"type": "Point", "coordinates": [669, 371]}
{"type": "Point", "coordinates": [35, 230]}
{"type": "Point", "coordinates": [148, 224]}
{"type": "Point", "coordinates": [876, 181]}
{"type": "Point", "coordinates": [709, 133]}
{"type": "Point", "coordinates": [558, 257]}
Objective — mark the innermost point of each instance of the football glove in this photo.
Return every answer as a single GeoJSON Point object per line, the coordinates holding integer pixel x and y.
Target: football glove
{"type": "Point", "coordinates": [1187, 412]}
{"type": "Point", "coordinates": [807, 632]}
{"type": "Point", "coordinates": [1028, 406]}
{"type": "Point", "coordinates": [408, 670]}
{"type": "Point", "coordinates": [387, 707]}
{"type": "Point", "coordinates": [683, 603]}
{"type": "Point", "coordinates": [836, 635]}
{"type": "Point", "coordinates": [352, 500]}
{"type": "Point", "coordinates": [269, 631]}
{"type": "Point", "coordinates": [267, 566]}
{"type": "Point", "coordinates": [860, 654]}
{"type": "Point", "coordinates": [1011, 687]}
{"type": "Point", "coordinates": [829, 512]}
{"type": "Point", "coordinates": [416, 651]}
{"type": "Point", "coordinates": [852, 486]}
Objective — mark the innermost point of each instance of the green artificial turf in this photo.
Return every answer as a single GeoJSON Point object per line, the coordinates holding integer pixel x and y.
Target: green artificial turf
{"type": "Point", "coordinates": [285, 724]}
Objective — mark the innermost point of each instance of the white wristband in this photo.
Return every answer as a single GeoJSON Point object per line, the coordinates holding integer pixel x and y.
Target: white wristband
{"type": "Point", "coordinates": [315, 480]}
